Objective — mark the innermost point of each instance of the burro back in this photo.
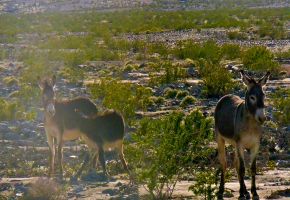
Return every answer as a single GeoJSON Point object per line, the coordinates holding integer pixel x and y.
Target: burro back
{"type": "Point", "coordinates": [238, 122]}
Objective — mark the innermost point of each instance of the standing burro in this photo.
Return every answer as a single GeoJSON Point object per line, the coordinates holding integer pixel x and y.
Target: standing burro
{"type": "Point", "coordinates": [238, 122]}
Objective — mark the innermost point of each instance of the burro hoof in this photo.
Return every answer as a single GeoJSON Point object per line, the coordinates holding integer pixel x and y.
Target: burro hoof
{"type": "Point", "coordinates": [247, 195]}
{"type": "Point", "coordinates": [255, 197]}
{"type": "Point", "coordinates": [242, 197]}
{"type": "Point", "coordinates": [220, 196]}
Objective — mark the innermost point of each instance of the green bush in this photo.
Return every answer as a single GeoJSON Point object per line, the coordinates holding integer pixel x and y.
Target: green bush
{"type": "Point", "coordinates": [236, 35]}
{"type": "Point", "coordinates": [170, 73]}
{"type": "Point", "coordinates": [181, 94]}
{"type": "Point", "coordinates": [205, 183]}
{"type": "Point", "coordinates": [157, 100]}
{"type": "Point", "coordinates": [123, 97]}
{"type": "Point", "coordinates": [73, 74]}
{"type": "Point", "coordinates": [10, 81]}
{"type": "Point", "coordinates": [166, 148]}
{"type": "Point", "coordinates": [188, 100]}
{"type": "Point", "coordinates": [208, 50]}
{"type": "Point", "coordinates": [217, 80]}
{"type": "Point", "coordinates": [170, 93]}
{"type": "Point", "coordinates": [259, 58]}
{"type": "Point", "coordinates": [8, 109]}
{"type": "Point", "coordinates": [280, 99]}
{"type": "Point", "coordinates": [231, 51]}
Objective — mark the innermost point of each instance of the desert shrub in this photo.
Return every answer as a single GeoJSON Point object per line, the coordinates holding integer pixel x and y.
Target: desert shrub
{"type": "Point", "coordinates": [8, 109]}
{"type": "Point", "coordinates": [4, 54]}
{"type": "Point", "coordinates": [170, 93]}
{"type": "Point", "coordinates": [188, 100]}
{"type": "Point", "coordinates": [165, 148]}
{"type": "Point", "coordinates": [10, 81]}
{"type": "Point", "coordinates": [273, 31]}
{"type": "Point", "coordinates": [236, 35]}
{"type": "Point", "coordinates": [181, 94]}
{"type": "Point", "coordinates": [217, 80]}
{"type": "Point", "coordinates": [258, 58]}
{"type": "Point", "coordinates": [45, 189]}
{"type": "Point", "coordinates": [171, 73]}
{"type": "Point", "coordinates": [280, 99]}
{"type": "Point", "coordinates": [123, 97]}
{"type": "Point", "coordinates": [283, 54]}
{"type": "Point", "coordinates": [231, 51]}
{"type": "Point", "coordinates": [208, 50]}
{"type": "Point", "coordinates": [157, 100]}
{"type": "Point", "coordinates": [15, 110]}
{"type": "Point", "coordinates": [205, 183]}
{"type": "Point", "coordinates": [73, 74]}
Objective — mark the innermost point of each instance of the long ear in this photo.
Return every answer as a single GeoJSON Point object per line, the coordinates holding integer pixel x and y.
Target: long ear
{"type": "Point", "coordinates": [262, 81]}
{"type": "Point", "coordinates": [246, 79]}
{"type": "Point", "coordinates": [53, 80]}
{"type": "Point", "coordinates": [40, 82]}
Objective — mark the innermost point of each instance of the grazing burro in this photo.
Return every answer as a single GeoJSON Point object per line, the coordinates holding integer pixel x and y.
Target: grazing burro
{"type": "Point", "coordinates": [238, 122]}
{"type": "Point", "coordinates": [79, 118]}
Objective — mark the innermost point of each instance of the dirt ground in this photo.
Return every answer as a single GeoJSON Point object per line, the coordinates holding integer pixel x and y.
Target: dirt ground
{"type": "Point", "coordinates": [272, 184]}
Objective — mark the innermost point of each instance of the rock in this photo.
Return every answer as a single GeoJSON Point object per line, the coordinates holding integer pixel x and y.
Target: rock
{"type": "Point", "coordinates": [118, 184]}
{"type": "Point", "coordinates": [111, 192]}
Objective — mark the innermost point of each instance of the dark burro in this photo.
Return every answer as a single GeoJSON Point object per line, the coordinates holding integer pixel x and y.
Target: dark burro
{"type": "Point", "coordinates": [79, 118]}
{"type": "Point", "coordinates": [238, 122]}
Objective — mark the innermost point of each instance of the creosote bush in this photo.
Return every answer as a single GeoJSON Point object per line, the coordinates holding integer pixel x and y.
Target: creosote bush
{"type": "Point", "coordinates": [170, 93]}
{"type": "Point", "coordinates": [170, 73]}
{"type": "Point", "coordinates": [186, 101]}
{"type": "Point", "coordinates": [166, 148]}
{"type": "Point", "coordinates": [217, 79]}
{"type": "Point", "coordinates": [280, 99]}
{"type": "Point", "coordinates": [181, 94]}
{"type": "Point", "coordinates": [258, 58]}
{"type": "Point", "coordinates": [123, 97]}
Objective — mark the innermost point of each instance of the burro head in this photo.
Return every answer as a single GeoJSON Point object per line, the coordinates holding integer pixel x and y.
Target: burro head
{"type": "Point", "coordinates": [48, 94]}
{"type": "Point", "coordinates": [255, 96]}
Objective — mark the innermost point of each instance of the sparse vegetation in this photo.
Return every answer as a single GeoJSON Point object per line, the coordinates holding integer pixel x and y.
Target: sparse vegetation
{"type": "Point", "coordinates": [176, 73]}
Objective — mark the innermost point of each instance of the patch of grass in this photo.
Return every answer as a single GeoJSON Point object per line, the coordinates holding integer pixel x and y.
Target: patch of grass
{"type": "Point", "coordinates": [45, 189]}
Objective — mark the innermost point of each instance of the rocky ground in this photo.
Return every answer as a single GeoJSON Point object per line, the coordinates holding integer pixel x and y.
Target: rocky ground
{"type": "Point", "coordinates": [23, 145]}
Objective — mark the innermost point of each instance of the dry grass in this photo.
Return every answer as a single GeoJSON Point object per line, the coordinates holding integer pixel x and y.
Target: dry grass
{"type": "Point", "coordinates": [45, 189]}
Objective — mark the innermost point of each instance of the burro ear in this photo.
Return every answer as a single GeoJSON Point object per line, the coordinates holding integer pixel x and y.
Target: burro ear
{"type": "Point", "coordinates": [246, 79]}
{"type": "Point", "coordinates": [262, 81]}
{"type": "Point", "coordinates": [53, 80]}
{"type": "Point", "coordinates": [39, 82]}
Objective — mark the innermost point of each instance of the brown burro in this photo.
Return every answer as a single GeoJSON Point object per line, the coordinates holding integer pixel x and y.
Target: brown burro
{"type": "Point", "coordinates": [79, 118]}
{"type": "Point", "coordinates": [238, 122]}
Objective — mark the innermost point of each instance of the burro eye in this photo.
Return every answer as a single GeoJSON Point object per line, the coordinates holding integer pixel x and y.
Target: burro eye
{"type": "Point", "coordinates": [253, 98]}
